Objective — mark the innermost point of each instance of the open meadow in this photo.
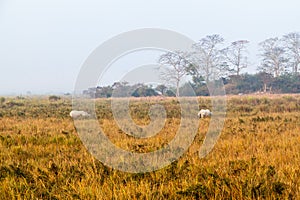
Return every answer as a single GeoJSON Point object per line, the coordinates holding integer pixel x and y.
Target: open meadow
{"type": "Point", "coordinates": [256, 157]}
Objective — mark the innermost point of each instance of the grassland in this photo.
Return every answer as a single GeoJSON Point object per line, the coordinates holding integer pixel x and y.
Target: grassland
{"type": "Point", "coordinates": [256, 157]}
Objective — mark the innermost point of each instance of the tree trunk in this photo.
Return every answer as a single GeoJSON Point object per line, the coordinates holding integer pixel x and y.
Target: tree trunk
{"type": "Point", "coordinates": [177, 89]}
{"type": "Point", "coordinates": [265, 87]}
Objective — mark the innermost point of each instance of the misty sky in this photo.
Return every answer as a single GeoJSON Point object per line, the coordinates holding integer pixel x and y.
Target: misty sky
{"type": "Point", "coordinates": [44, 43]}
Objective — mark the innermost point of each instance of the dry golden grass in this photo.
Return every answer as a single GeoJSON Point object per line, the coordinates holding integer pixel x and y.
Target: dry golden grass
{"type": "Point", "coordinates": [256, 157]}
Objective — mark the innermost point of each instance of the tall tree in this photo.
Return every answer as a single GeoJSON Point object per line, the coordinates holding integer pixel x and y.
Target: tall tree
{"type": "Point", "coordinates": [292, 43]}
{"type": "Point", "coordinates": [273, 57]}
{"type": "Point", "coordinates": [236, 57]}
{"type": "Point", "coordinates": [208, 59]}
{"type": "Point", "coordinates": [175, 67]}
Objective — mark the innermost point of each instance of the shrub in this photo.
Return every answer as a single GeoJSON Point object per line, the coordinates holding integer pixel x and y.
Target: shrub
{"type": "Point", "coordinates": [54, 98]}
{"type": "Point", "coordinates": [2, 100]}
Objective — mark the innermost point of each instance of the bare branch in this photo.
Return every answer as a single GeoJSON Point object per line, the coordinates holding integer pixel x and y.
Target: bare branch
{"type": "Point", "coordinates": [273, 57]}
{"type": "Point", "coordinates": [208, 58]}
{"type": "Point", "coordinates": [292, 43]}
{"type": "Point", "coordinates": [235, 56]}
{"type": "Point", "coordinates": [175, 67]}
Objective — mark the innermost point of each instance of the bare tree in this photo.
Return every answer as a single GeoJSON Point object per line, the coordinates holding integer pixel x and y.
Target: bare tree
{"type": "Point", "coordinates": [208, 59]}
{"type": "Point", "coordinates": [175, 64]}
{"type": "Point", "coordinates": [292, 43]}
{"type": "Point", "coordinates": [235, 56]}
{"type": "Point", "coordinates": [273, 57]}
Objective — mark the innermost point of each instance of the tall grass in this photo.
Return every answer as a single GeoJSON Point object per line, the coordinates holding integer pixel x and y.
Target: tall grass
{"type": "Point", "coordinates": [256, 157]}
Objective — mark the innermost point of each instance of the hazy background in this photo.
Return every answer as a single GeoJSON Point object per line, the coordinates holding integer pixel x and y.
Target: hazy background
{"type": "Point", "coordinates": [44, 43]}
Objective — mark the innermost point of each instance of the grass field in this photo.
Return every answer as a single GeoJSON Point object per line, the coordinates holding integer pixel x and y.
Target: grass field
{"type": "Point", "coordinates": [256, 157]}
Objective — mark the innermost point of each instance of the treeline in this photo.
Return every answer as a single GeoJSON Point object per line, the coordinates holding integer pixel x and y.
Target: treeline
{"type": "Point", "coordinates": [234, 84]}
{"type": "Point", "coordinates": [210, 60]}
{"type": "Point", "coordinates": [123, 89]}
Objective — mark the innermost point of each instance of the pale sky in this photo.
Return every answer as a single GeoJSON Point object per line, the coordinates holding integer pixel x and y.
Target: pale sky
{"type": "Point", "coordinates": [44, 43]}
